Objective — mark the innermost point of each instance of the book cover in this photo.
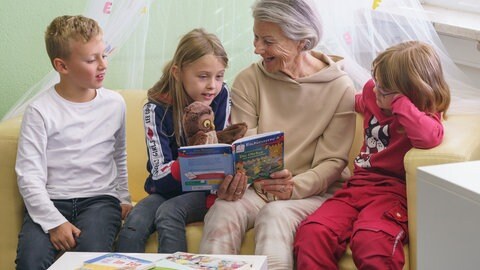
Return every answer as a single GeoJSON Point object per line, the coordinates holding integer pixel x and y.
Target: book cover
{"type": "Point", "coordinates": [115, 261]}
{"type": "Point", "coordinates": [189, 261]}
{"type": "Point", "coordinates": [260, 155]}
{"type": "Point", "coordinates": [203, 167]}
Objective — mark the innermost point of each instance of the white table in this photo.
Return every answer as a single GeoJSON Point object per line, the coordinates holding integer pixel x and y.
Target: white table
{"type": "Point", "coordinates": [74, 260]}
{"type": "Point", "coordinates": [448, 216]}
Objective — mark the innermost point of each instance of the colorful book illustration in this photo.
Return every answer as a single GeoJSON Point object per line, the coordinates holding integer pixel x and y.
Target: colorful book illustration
{"type": "Point", "coordinates": [115, 261]}
{"type": "Point", "coordinates": [203, 167]}
{"type": "Point", "coordinates": [189, 261]}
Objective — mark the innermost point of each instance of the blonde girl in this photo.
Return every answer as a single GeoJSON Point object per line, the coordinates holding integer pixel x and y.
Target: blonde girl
{"type": "Point", "coordinates": [195, 73]}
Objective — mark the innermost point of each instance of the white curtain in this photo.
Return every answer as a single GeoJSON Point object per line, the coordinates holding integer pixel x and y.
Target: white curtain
{"type": "Point", "coordinates": [120, 20]}
{"type": "Point", "coordinates": [355, 29]}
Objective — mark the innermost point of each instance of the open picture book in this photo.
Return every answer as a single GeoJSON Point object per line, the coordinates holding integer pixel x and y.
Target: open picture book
{"type": "Point", "coordinates": [116, 261]}
{"type": "Point", "coordinates": [203, 167]}
{"type": "Point", "coordinates": [190, 261]}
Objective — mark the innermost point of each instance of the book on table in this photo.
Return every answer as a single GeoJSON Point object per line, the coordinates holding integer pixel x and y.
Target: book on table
{"type": "Point", "coordinates": [203, 167]}
{"type": "Point", "coordinates": [189, 261]}
{"type": "Point", "coordinates": [115, 261]}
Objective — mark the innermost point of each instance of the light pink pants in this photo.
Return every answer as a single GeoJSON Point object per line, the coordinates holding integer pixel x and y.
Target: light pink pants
{"type": "Point", "coordinates": [275, 225]}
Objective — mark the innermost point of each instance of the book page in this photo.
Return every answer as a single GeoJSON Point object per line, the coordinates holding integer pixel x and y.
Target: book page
{"type": "Point", "coordinates": [260, 155]}
{"type": "Point", "coordinates": [184, 260]}
{"type": "Point", "coordinates": [255, 136]}
{"type": "Point", "coordinates": [204, 167]}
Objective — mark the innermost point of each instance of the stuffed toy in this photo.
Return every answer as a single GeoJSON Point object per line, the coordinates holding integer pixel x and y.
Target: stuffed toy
{"type": "Point", "coordinates": [198, 123]}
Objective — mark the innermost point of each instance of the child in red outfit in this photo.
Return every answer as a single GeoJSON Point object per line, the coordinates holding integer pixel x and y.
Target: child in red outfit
{"type": "Point", "coordinates": [402, 108]}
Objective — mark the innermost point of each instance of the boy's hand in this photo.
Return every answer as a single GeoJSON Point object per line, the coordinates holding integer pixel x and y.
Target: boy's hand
{"type": "Point", "coordinates": [126, 208]}
{"type": "Point", "coordinates": [232, 188]}
{"type": "Point", "coordinates": [63, 237]}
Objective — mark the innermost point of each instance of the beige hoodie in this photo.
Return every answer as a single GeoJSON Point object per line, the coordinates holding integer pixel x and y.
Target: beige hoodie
{"type": "Point", "coordinates": [315, 112]}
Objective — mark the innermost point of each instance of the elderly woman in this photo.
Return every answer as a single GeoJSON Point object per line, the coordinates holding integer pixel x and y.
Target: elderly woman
{"type": "Point", "coordinates": [308, 96]}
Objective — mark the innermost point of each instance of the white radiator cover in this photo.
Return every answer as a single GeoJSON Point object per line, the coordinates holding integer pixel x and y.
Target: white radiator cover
{"type": "Point", "coordinates": [466, 54]}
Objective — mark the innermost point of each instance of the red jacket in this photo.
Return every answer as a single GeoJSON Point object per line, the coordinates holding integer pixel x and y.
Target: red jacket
{"type": "Point", "coordinates": [388, 138]}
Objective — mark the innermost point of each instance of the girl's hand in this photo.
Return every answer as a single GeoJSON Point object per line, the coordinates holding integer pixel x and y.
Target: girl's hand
{"type": "Point", "coordinates": [233, 188]}
{"type": "Point", "coordinates": [126, 208]}
{"type": "Point", "coordinates": [280, 184]}
{"type": "Point", "coordinates": [390, 99]}
{"type": "Point", "coordinates": [385, 102]}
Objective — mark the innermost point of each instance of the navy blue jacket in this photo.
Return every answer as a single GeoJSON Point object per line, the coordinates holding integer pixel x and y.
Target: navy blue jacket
{"type": "Point", "coordinates": [162, 148]}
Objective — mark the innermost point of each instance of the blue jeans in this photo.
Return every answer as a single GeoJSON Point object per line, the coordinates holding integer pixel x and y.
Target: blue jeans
{"type": "Point", "coordinates": [99, 219]}
{"type": "Point", "coordinates": [167, 217]}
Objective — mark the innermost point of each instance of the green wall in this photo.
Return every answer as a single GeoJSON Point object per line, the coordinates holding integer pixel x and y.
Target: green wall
{"type": "Point", "coordinates": [24, 61]}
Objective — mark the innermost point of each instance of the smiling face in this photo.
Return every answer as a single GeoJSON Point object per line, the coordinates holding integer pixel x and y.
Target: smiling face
{"type": "Point", "coordinates": [202, 79]}
{"type": "Point", "coordinates": [86, 65]}
{"type": "Point", "coordinates": [279, 53]}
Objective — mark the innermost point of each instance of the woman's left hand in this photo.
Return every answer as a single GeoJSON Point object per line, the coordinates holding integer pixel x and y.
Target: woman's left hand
{"type": "Point", "coordinates": [232, 188]}
{"type": "Point", "coordinates": [280, 184]}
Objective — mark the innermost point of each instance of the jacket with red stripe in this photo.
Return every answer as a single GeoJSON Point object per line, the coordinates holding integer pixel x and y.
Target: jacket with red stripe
{"type": "Point", "coordinates": [162, 148]}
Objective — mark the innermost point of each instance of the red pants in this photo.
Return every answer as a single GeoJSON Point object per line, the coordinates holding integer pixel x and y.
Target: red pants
{"type": "Point", "coordinates": [372, 218]}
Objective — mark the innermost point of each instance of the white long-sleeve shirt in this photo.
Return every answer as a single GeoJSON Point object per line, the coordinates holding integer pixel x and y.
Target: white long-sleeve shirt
{"type": "Point", "coordinates": [71, 150]}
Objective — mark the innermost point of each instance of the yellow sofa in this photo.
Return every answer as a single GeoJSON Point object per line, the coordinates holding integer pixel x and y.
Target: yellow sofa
{"type": "Point", "coordinates": [461, 143]}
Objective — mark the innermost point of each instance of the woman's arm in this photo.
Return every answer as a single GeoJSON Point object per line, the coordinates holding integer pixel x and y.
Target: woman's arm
{"type": "Point", "coordinates": [331, 152]}
{"type": "Point", "coordinates": [233, 186]}
{"type": "Point", "coordinates": [244, 102]}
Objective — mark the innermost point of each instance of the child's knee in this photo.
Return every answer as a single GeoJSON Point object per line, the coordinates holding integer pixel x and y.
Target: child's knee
{"type": "Point", "coordinates": [305, 230]}
{"type": "Point", "coordinates": [217, 217]}
{"type": "Point", "coordinates": [371, 247]}
{"type": "Point", "coordinates": [312, 233]}
{"type": "Point", "coordinates": [35, 257]}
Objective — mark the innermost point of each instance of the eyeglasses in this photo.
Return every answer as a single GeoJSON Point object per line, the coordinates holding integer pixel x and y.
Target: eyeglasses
{"type": "Point", "coordinates": [382, 91]}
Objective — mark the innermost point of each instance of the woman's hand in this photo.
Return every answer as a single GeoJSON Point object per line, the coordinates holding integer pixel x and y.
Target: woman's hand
{"type": "Point", "coordinates": [280, 184]}
{"type": "Point", "coordinates": [233, 188]}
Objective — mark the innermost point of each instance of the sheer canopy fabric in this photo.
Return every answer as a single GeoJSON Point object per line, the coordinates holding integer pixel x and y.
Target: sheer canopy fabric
{"type": "Point", "coordinates": [358, 32]}
{"type": "Point", "coordinates": [120, 20]}
{"type": "Point", "coordinates": [355, 30]}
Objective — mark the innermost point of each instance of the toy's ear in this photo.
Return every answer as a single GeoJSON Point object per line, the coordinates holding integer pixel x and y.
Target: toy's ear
{"type": "Point", "coordinates": [232, 133]}
{"type": "Point", "coordinates": [188, 120]}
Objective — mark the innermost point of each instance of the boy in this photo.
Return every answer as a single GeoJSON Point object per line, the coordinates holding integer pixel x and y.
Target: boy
{"type": "Point", "coordinates": [71, 160]}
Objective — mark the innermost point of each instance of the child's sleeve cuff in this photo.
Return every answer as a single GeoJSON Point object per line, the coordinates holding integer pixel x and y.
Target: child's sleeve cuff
{"type": "Point", "coordinates": [175, 170]}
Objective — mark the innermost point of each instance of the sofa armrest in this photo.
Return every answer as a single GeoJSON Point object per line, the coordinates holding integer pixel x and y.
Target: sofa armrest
{"type": "Point", "coordinates": [461, 143]}
{"type": "Point", "coordinates": [11, 203]}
